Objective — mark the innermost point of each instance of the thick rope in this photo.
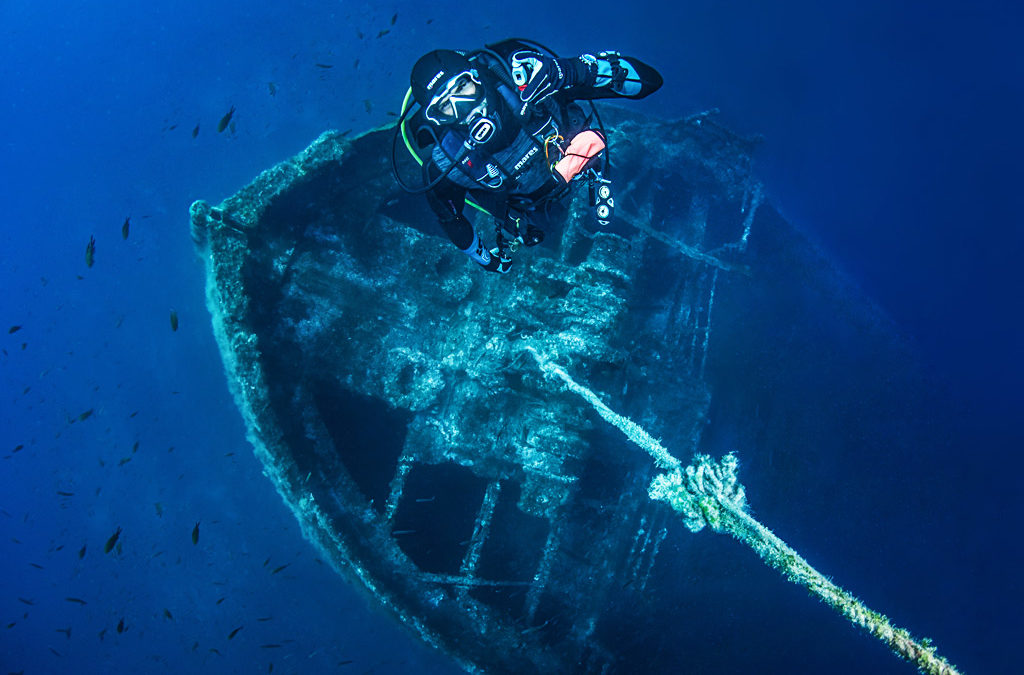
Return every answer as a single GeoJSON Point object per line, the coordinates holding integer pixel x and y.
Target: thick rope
{"type": "Point", "coordinates": [708, 494]}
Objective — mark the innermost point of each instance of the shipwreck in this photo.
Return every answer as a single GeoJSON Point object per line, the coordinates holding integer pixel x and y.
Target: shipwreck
{"type": "Point", "coordinates": [393, 391]}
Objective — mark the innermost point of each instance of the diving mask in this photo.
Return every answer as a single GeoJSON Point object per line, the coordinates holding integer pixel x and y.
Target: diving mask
{"type": "Point", "coordinates": [458, 100]}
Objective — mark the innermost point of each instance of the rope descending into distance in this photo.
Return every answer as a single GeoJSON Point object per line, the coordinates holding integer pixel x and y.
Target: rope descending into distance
{"type": "Point", "coordinates": [708, 494]}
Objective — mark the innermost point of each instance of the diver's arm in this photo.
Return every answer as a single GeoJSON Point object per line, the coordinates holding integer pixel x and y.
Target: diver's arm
{"type": "Point", "coordinates": [448, 200]}
{"type": "Point", "coordinates": [607, 75]}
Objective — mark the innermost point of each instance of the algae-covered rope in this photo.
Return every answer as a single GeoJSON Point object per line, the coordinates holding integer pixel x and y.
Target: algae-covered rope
{"type": "Point", "coordinates": [707, 493]}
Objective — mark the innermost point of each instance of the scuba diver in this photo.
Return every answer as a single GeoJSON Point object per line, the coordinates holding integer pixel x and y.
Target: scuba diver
{"type": "Point", "coordinates": [504, 128]}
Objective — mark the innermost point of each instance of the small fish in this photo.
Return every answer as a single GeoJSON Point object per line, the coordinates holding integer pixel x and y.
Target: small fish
{"type": "Point", "coordinates": [124, 460]}
{"type": "Point", "coordinates": [124, 228]}
{"type": "Point", "coordinates": [174, 320]}
{"type": "Point", "coordinates": [264, 618]}
{"type": "Point", "coordinates": [324, 65]}
{"type": "Point", "coordinates": [56, 653]}
{"type": "Point", "coordinates": [220, 600]}
{"type": "Point", "coordinates": [273, 88]}
{"type": "Point", "coordinates": [167, 614]}
{"type": "Point", "coordinates": [398, 533]}
{"type": "Point", "coordinates": [272, 645]}
{"type": "Point", "coordinates": [112, 541]}
{"type": "Point", "coordinates": [383, 33]}
{"type": "Point", "coordinates": [265, 562]}
{"type": "Point", "coordinates": [430, 21]}
{"type": "Point", "coordinates": [66, 631]}
{"type": "Point", "coordinates": [135, 447]}
{"type": "Point", "coordinates": [26, 601]}
{"type": "Point", "coordinates": [226, 120]}
{"type": "Point", "coordinates": [12, 624]}
{"type": "Point", "coordinates": [90, 252]}
{"type": "Point", "coordinates": [214, 650]}
{"type": "Point", "coordinates": [345, 662]}
{"type": "Point", "coordinates": [102, 633]}
{"type": "Point", "coordinates": [270, 668]}
{"type": "Point", "coordinates": [195, 132]}
{"type": "Point", "coordinates": [195, 534]}
{"type": "Point", "coordinates": [233, 633]}
{"type": "Point", "coordinates": [13, 329]}
{"type": "Point", "coordinates": [77, 601]}
{"type": "Point", "coordinates": [81, 552]}
{"type": "Point", "coordinates": [394, 19]}
{"type": "Point", "coordinates": [368, 104]}
{"type": "Point", "coordinates": [120, 625]}
{"type": "Point", "coordinates": [159, 509]}
{"type": "Point", "coordinates": [18, 447]}
{"type": "Point", "coordinates": [86, 415]}
{"type": "Point", "coordinates": [278, 569]}
{"type": "Point", "coordinates": [65, 494]}
{"type": "Point", "coordinates": [355, 64]}
{"type": "Point", "coordinates": [38, 567]}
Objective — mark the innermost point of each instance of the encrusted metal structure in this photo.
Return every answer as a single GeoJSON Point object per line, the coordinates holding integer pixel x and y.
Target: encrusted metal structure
{"type": "Point", "coordinates": [385, 386]}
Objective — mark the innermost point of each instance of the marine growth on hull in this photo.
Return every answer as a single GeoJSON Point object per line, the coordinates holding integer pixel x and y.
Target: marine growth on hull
{"type": "Point", "coordinates": [389, 387]}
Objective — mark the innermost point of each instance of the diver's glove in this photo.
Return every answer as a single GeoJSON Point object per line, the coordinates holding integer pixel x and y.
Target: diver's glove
{"type": "Point", "coordinates": [538, 76]}
{"type": "Point", "coordinates": [498, 263]}
{"type": "Point", "coordinates": [494, 260]}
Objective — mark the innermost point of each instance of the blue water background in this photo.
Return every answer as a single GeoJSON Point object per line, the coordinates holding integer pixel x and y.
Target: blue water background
{"type": "Point", "coordinates": [892, 139]}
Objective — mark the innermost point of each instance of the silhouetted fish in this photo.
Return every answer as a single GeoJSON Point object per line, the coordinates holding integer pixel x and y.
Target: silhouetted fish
{"type": "Point", "coordinates": [120, 625]}
{"type": "Point", "coordinates": [226, 120]}
{"type": "Point", "coordinates": [77, 601]}
{"type": "Point", "coordinates": [124, 228]}
{"type": "Point", "coordinates": [81, 552]}
{"type": "Point", "coordinates": [233, 633]}
{"type": "Point", "coordinates": [109, 546]}
{"type": "Point", "coordinates": [394, 19]}
{"type": "Point", "coordinates": [195, 534]}
{"type": "Point", "coordinates": [195, 132]}
{"type": "Point", "coordinates": [174, 320]}
{"type": "Point", "coordinates": [90, 252]}
{"type": "Point", "coordinates": [278, 569]}
{"type": "Point", "coordinates": [324, 65]}
{"type": "Point", "coordinates": [167, 613]}
{"type": "Point", "coordinates": [86, 415]}
{"type": "Point", "coordinates": [13, 329]}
